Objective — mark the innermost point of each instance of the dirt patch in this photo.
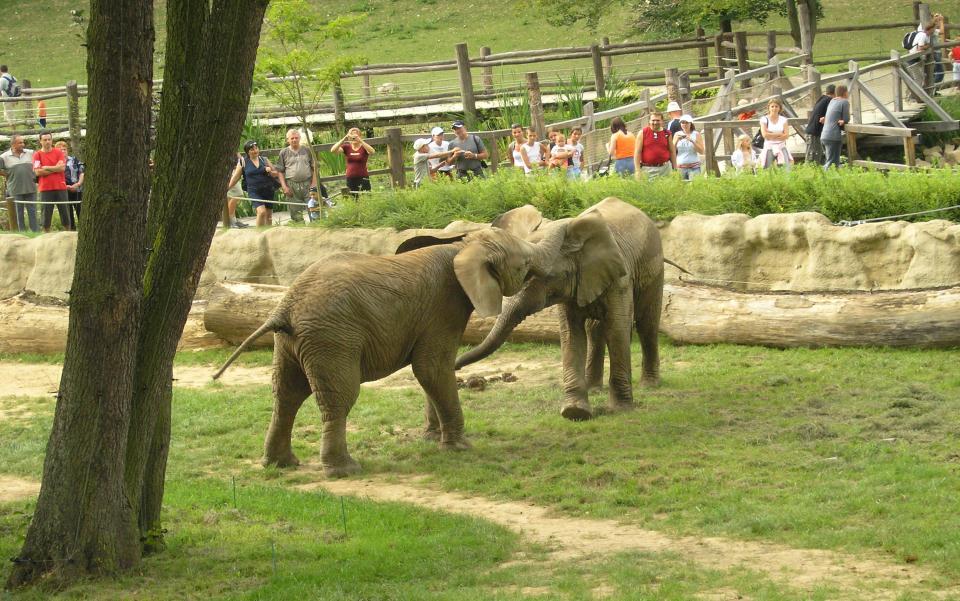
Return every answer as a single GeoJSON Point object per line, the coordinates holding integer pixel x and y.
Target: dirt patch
{"type": "Point", "coordinates": [17, 489]}
{"type": "Point", "coordinates": [576, 538]}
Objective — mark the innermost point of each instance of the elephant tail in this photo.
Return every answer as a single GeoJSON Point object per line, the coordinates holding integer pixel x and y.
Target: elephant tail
{"type": "Point", "coordinates": [669, 262]}
{"type": "Point", "coordinates": [273, 324]}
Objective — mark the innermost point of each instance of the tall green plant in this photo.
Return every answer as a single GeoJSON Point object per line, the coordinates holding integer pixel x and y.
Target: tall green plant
{"type": "Point", "coordinates": [570, 97]}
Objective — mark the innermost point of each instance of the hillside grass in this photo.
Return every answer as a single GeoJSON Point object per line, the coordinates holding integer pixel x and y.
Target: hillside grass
{"type": "Point", "coordinates": [845, 449]}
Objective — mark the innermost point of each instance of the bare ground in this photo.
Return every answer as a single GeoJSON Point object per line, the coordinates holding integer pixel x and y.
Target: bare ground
{"type": "Point", "coordinates": [576, 538]}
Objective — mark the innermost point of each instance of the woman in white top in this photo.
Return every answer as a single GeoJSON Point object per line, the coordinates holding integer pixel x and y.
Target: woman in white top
{"type": "Point", "coordinates": [775, 130]}
{"type": "Point", "coordinates": [687, 146]}
{"type": "Point", "coordinates": [742, 158]}
{"type": "Point", "coordinates": [519, 157]}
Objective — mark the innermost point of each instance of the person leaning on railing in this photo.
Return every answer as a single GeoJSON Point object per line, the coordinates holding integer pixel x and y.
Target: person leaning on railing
{"type": "Point", "coordinates": [621, 147]}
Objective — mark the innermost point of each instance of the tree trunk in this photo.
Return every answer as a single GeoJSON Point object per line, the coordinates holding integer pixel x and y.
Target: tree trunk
{"type": "Point", "coordinates": [84, 523]}
{"type": "Point", "coordinates": [211, 51]}
{"type": "Point", "coordinates": [793, 16]}
{"type": "Point", "coordinates": [136, 274]}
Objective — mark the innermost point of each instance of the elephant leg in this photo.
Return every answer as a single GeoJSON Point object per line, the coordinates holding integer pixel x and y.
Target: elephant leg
{"type": "Point", "coordinates": [290, 389]}
{"type": "Point", "coordinates": [432, 430]}
{"type": "Point", "coordinates": [618, 329]}
{"type": "Point", "coordinates": [647, 310]}
{"type": "Point", "coordinates": [336, 392]}
{"type": "Point", "coordinates": [573, 344]}
{"type": "Point", "coordinates": [595, 353]}
{"type": "Point", "coordinates": [435, 373]}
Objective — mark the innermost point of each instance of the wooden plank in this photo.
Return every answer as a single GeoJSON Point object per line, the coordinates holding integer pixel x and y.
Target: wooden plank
{"type": "Point", "coordinates": [883, 130]}
{"type": "Point", "coordinates": [922, 94]}
{"type": "Point", "coordinates": [852, 145]}
{"type": "Point", "coordinates": [896, 83]}
{"type": "Point", "coordinates": [935, 126]}
{"type": "Point", "coordinates": [743, 65]}
{"type": "Point", "coordinates": [880, 106]}
{"type": "Point", "coordinates": [910, 151]}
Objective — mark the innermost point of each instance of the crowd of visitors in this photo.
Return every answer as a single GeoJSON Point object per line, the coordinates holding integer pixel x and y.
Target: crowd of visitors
{"type": "Point", "coordinates": [53, 172]}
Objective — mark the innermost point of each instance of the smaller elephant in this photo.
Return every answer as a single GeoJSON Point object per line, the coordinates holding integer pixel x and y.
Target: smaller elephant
{"type": "Point", "coordinates": [604, 269]}
{"type": "Point", "coordinates": [353, 318]}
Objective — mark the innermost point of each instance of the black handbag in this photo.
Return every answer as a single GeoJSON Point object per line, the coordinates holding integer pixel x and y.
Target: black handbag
{"type": "Point", "coordinates": [757, 141]}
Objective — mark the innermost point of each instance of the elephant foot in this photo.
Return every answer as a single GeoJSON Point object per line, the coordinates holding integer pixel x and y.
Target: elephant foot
{"type": "Point", "coordinates": [650, 381]}
{"type": "Point", "coordinates": [620, 406]}
{"type": "Point", "coordinates": [456, 444]}
{"type": "Point", "coordinates": [431, 434]}
{"type": "Point", "coordinates": [341, 469]}
{"type": "Point", "coordinates": [577, 412]}
{"type": "Point", "coordinates": [287, 459]}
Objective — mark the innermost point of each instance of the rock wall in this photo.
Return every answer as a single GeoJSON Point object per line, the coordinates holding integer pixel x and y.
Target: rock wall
{"type": "Point", "coordinates": [797, 252]}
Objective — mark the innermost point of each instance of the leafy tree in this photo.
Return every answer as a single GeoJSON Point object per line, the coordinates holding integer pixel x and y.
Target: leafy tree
{"type": "Point", "coordinates": [680, 17]}
{"type": "Point", "coordinates": [298, 64]}
{"type": "Point", "coordinates": [138, 264]}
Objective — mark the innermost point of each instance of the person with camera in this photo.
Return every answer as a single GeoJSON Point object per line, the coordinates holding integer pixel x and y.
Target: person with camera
{"type": "Point", "coordinates": [259, 182]}
{"type": "Point", "coordinates": [356, 152]}
{"type": "Point", "coordinates": [687, 147]}
{"type": "Point", "coordinates": [469, 153]}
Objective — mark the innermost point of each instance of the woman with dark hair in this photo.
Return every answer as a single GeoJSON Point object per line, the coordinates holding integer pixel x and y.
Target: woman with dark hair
{"type": "Point", "coordinates": [258, 177]}
{"type": "Point", "coordinates": [356, 152]}
{"type": "Point", "coordinates": [621, 147]}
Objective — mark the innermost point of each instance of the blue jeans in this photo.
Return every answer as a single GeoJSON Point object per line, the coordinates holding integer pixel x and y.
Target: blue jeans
{"type": "Point", "coordinates": [687, 173]}
{"type": "Point", "coordinates": [624, 166]}
{"type": "Point", "coordinates": [832, 150]}
{"type": "Point", "coordinates": [573, 173]}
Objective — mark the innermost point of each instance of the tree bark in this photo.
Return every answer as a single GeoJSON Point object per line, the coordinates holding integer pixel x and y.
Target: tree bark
{"type": "Point", "coordinates": [136, 274]}
{"type": "Point", "coordinates": [793, 17]}
{"type": "Point", "coordinates": [84, 523]}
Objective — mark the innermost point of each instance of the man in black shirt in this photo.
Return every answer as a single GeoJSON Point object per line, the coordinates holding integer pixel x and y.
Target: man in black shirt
{"type": "Point", "coordinates": [815, 127]}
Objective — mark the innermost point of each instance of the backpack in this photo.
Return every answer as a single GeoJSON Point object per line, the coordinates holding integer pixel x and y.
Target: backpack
{"type": "Point", "coordinates": [758, 140]}
{"type": "Point", "coordinates": [13, 87]}
{"type": "Point", "coordinates": [908, 39]}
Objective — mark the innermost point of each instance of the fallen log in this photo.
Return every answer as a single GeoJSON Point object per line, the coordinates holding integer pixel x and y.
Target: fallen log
{"type": "Point", "coordinates": [695, 314]}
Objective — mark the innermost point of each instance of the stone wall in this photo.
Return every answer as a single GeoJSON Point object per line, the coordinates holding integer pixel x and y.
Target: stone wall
{"type": "Point", "coordinates": [797, 252]}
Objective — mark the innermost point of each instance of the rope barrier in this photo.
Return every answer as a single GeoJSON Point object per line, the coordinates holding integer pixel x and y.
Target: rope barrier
{"type": "Point", "coordinates": [43, 202]}
{"type": "Point", "coordinates": [876, 219]}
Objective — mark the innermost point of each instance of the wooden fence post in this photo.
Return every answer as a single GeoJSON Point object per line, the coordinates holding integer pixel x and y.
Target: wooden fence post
{"type": "Point", "coordinates": [73, 118]}
{"type": "Point", "coordinates": [856, 113]}
{"type": "Point", "coordinates": [11, 214]}
{"type": "Point", "coordinates": [813, 76]}
{"type": "Point", "coordinates": [493, 148]}
{"type": "Point", "coordinates": [772, 52]}
{"type": "Point", "coordinates": [718, 51]}
{"type": "Point", "coordinates": [703, 57]}
{"type": "Point", "coordinates": [395, 156]}
{"type": "Point", "coordinates": [709, 156]}
{"type": "Point", "coordinates": [743, 64]}
{"type": "Point", "coordinates": [806, 31]}
{"type": "Point", "coordinates": [588, 113]}
{"type": "Point", "coordinates": [338, 111]}
{"type": "Point", "coordinates": [897, 84]}
{"type": "Point", "coordinates": [645, 97]}
{"type": "Point", "coordinates": [852, 153]}
{"type": "Point", "coordinates": [466, 86]}
{"type": "Point", "coordinates": [607, 60]}
{"type": "Point", "coordinates": [909, 151]}
{"type": "Point", "coordinates": [366, 86]}
{"type": "Point", "coordinates": [598, 70]}
{"type": "Point", "coordinates": [916, 10]}
{"type": "Point", "coordinates": [671, 80]}
{"type": "Point", "coordinates": [537, 121]}
{"type": "Point", "coordinates": [487, 71]}
{"type": "Point", "coordinates": [686, 96]}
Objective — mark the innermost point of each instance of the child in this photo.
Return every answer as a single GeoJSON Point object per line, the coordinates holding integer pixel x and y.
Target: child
{"type": "Point", "coordinates": [576, 154]}
{"type": "Point", "coordinates": [42, 113]}
{"type": "Point", "coordinates": [421, 160]}
{"type": "Point", "coordinates": [536, 155]}
{"type": "Point", "coordinates": [955, 57]}
{"type": "Point", "coordinates": [742, 158]}
{"type": "Point", "coordinates": [560, 153]}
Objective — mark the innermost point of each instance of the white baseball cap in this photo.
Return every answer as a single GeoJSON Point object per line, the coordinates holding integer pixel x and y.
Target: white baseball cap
{"type": "Point", "coordinates": [686, 118]}
{"type": "Point", "coordinates": [420, 144]}
{"type": "Point", "coordinates": [673, 106]}
{"type": "Point", "coordinates": [436, 131]}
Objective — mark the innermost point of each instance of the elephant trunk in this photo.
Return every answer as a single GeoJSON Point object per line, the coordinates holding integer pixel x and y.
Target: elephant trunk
{"type": "Point", "coordinates": [515, 310]}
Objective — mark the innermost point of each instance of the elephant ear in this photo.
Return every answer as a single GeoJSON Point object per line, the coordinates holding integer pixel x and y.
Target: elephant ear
{"type": "Point", "coordinates": [474, 272]}
{"type": "Point", "coordinates": [424, 241]}
{"type": "Point", "coordinates": [520, 221]}
{"type": "Point", "coordinates": [601, 263]}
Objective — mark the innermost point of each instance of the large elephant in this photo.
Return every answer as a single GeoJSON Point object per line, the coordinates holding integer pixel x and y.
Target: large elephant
{"type": "Point", "coordinates": [605, 270]}
{"type": "Point", "coordinates": [353, 318]}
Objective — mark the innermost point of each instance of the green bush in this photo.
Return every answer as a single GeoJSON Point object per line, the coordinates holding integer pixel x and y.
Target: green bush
{"type": "Point", "coordinates": [852, 194]}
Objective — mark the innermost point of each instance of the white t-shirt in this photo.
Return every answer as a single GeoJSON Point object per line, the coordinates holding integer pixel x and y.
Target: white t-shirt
{"type": "Point", "coordinates": [518, 157]}
{"type": "Point", "coordinates": [533, 153]}
{"type": "Point", "coordinates": [435, 148]}
{"type": "Point", "coordinates": [921, 39]}
{"type": "Point", "coordinates": [577, 150]}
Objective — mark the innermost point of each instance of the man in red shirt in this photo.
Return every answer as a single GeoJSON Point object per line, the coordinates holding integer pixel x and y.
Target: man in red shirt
{"type": "Point", "coordinates": [652, 154]}
{"type": "Point", "coordinates": [49, 165]}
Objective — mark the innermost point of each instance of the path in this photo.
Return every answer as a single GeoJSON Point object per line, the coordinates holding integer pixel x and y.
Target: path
{"type": "Point", "coordinates": [576, 538]}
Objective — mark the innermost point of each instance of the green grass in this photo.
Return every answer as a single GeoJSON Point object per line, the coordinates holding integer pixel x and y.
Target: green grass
{"type": "Point", "coordinates": [851, 195]}
{"type": "Point", "coordinates": [847, 449]}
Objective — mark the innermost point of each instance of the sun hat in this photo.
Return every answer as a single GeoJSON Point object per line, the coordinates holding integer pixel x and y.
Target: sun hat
{"type": "Point", "coordinates": [686, 118]}
{"type": "Point", "coordinates": [420, 144]}
{"type": "Point", "coordinates": [673, 106]}
{"type": "Point", "coordinates": [436, 131]}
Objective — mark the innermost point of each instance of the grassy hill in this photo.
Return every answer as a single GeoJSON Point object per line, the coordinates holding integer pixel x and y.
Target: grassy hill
{"type": "Point", "coordinates": [39, 41]}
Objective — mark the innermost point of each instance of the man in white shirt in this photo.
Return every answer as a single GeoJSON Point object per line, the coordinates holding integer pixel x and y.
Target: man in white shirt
{"type": "Point", "coordinates": [438, 145]}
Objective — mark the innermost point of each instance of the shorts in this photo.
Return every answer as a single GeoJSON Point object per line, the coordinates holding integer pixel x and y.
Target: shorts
{"type": "Point", "coordinates": [261, 198]}
{"type": "Point", "coordinates": [624, 166]}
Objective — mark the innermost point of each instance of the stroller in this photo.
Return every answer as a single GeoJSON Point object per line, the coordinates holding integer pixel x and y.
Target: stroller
{"type": "Point", "coordinates": [603, 168]}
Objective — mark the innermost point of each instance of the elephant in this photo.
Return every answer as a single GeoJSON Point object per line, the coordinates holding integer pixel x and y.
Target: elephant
{"type": "Point", "coordinates": [604, 268]}
{"type": "Point", "coordinates": [353, 318]}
